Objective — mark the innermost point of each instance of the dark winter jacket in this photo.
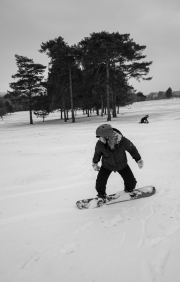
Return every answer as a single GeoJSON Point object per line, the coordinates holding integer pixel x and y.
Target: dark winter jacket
{"type": "Point", "coordinates": [144, 119]}
{"type": "Point", "coordinates": [115, 160]}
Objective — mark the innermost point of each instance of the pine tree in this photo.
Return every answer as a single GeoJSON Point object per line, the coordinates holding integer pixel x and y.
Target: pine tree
{"type": "Point", "coordinates": [9, 106]}
{"type": "Point", "coordinates": [29, 77]}
{"type": "Point", "coordinates": [2, 108]}
{"type": "Point", "coordinates": [62, 64]}
{"type": "Point", "coordinates": [115, 52]}
{"type": "Point", "coordinates": [169, 93]}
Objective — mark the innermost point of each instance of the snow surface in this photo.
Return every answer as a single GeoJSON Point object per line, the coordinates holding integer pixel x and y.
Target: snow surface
{"type": "Point", "coordinates": [46, 167]}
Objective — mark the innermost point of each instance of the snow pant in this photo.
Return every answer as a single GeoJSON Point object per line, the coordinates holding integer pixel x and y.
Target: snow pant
{"type": "Point", "coordinates": [103, 175]}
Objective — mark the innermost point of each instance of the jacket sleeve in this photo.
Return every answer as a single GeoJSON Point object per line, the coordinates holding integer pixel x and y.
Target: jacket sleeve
{"type": "Point", "coordinates": [97, 154]}
{"type": "Point", "coordinates": [129, 146]}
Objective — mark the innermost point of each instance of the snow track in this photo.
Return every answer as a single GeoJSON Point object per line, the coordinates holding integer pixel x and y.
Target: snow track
{"type": "Point", "coordinates": [46, 168]}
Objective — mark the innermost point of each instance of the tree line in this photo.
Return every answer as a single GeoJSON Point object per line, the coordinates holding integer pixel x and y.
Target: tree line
{"type": "Point", "coordinates": [90, 75]}
{"type": "Point", "coordinates": [168, 94]}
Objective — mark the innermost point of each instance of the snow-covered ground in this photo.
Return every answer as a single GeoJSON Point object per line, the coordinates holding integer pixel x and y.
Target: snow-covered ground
{"type": "Point", "coordinates": [46, 167]}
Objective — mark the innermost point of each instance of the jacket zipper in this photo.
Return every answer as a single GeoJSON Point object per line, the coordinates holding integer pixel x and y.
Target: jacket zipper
{"type": "Point", "coordinates": [114, 162]}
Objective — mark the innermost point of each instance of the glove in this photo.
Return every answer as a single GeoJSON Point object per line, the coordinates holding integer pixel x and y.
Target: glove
{"type": "Point", "coordinates": [96, 167]}
{"type": "Point", "coordinates": [140, 163]}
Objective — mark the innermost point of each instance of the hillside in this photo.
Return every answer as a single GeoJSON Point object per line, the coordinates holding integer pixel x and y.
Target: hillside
{"type": "Point", "coordinates": [46, 167]}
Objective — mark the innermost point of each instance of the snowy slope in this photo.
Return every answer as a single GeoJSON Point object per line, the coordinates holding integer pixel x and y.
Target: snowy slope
{"type": "Point", "coordinates": [46, 167]}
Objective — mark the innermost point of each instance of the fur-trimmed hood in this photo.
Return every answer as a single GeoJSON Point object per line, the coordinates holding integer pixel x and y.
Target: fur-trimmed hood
{"type": "Point", "coordinates": [112, 141]}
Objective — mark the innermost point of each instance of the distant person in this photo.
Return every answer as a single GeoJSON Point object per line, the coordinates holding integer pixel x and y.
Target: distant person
{"type": "Point", "coordinates": [144, 119]}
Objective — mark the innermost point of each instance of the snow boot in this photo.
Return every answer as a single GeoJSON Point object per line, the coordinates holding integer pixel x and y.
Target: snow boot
{"type": "Point", "coordinates": [128, 191]}
{"type": "Point", "coordinates": [101, 199]}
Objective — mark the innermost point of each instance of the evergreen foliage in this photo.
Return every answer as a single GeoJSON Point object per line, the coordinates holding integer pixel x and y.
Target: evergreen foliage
{"type": "Point", "coordinates": [140, 97]}
{"type": "Point", "coordinates": [9, 106]}
{"type": "Point", "coordinates": [91, 75]}
{"type": "Point", "coordinates": [63, 70]}
{"type": "Point", "coordinates": [41, 102]}
{"type": "Point", "coordinates": [113, 58]}
{"type": "Point", "coordinates": [29, 77]}
{"type": "Point", "coordinates": [169, 93]}
{"type": "Point", "coordinates": [2, 108]}
{"type": "Point", "coordinates": [101, 66]}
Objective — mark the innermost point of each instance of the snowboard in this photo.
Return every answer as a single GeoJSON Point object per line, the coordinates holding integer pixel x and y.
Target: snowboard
{"type": "Point", "coordinates": [120, 196]}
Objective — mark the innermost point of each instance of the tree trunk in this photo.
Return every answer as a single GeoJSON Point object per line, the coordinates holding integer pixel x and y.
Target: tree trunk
{"type": "Point", "coordinates": [102, 106]}
{"type": "Point", "coordinates": [114, 104]}
{"type": "Point", "coordinates": [64, 108]}
{"type": "Point", "coordinates": [71, 94]}
{"type": "Point", "coordinates": [114, 95]}
{"type": "Point", "coordinates": [88, 112]}
{"type": "Point", "coordinates": [30, 115]}
{"type": "Point", "coordinates": [107, 91]}
{"type": "Point", "coordinates": [61, 110]}
{"type": "Point", "coordinates": [30, 109]}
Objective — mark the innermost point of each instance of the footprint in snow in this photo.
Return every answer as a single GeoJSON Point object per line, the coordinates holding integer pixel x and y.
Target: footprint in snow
{"type": "Point", "coordinates": [30, 260]}
{"type": "Point", "coordinates": [84, 227]}
{"type": "Point", "coordinates": [113, 222]}
{"type": "Point", "coordinates": [69, 248]}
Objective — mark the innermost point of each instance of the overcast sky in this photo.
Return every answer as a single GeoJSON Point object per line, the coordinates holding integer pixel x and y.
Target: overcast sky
{"type": "Point", "coordinates": [25, 24]}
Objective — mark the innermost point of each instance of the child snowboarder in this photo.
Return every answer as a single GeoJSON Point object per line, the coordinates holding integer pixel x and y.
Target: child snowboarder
{"type": "Point", "coordinates": [144, 119]}
{"type": "Point", "coordinates": [112, 147]}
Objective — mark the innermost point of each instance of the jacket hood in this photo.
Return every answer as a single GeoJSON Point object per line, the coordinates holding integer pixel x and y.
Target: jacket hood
{"type": "Point", "coordinates": [116, 130]}
{"type": "Point", "coordinates": [112, 141]}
